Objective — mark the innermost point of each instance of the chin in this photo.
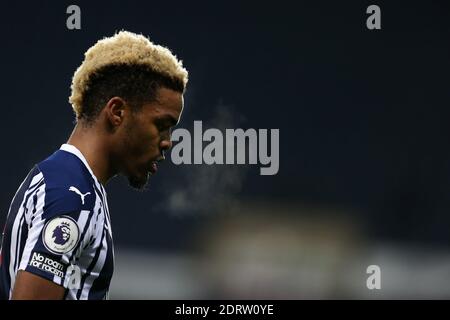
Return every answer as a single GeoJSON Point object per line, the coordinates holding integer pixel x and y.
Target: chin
{"type": "Point", "coordinates": [138, 182]}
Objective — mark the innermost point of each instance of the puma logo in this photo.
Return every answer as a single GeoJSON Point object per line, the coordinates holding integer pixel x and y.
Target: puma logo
{"type": "Point", "coordinates": [72, 188]}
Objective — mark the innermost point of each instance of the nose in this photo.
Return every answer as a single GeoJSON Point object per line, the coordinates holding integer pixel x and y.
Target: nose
{"type": "Point", "coordinates": [165, 145]}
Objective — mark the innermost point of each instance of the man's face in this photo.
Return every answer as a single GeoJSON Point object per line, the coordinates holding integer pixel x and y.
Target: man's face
{"type": "Point", "coordinates": [147, 136]}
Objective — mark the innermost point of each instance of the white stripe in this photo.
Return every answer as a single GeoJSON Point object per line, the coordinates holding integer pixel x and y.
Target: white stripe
{"type": "Point", "coordinates": [81, 222]}
{"type": "Point", "coordinates": [35, 179]}
{"type": "Point", "coordinates": [19, 239]}
{"type": "Point", "coordinates": [15, 233]}
{"type": "Point", "coordinates": [15, 195]}
{"type": "Point", "coordinates": [35, 232]}
{"type": "Point", "coordinates": [106, 208]}
{"type": "Point", "coordinates": [110, 227]}
{"type": "Point", "coordinates": [26, 217]}
{"type": "Point", "coordinates": [96, 270]}
{"type": "Point", "coordinates": [82, 219]}
{"type": "Point", "coordinates": [30, 204]}
{"type": "Point", "coordinates": [87, 255]}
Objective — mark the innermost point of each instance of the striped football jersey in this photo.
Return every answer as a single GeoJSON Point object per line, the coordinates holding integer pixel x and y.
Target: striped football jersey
{"type": "Point", "coordinates": [58, 227]}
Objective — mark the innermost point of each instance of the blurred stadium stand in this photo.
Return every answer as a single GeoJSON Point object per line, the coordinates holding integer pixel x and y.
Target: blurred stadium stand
{"type": "Point", "coordinates": [275, 256]}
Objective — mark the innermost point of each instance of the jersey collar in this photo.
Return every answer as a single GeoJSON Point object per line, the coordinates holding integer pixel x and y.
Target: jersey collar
{"type": "Point", "coordinates": [74, 150]}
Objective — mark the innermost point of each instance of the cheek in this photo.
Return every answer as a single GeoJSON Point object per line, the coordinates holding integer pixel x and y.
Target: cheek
{"type": "Point", "coordinates": [131, 147]}
{"type": "Point", "coordinates": [152, 136]}
{"type": "Point", "coordinates": [146, 142]}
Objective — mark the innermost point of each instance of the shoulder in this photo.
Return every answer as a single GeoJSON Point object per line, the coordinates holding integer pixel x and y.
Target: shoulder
{"type": "Point", "coordinates": [68, 185]}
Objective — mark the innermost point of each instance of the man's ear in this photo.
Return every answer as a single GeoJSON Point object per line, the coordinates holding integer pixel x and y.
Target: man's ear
{"type": "Point", "coordinates": [115, 110]}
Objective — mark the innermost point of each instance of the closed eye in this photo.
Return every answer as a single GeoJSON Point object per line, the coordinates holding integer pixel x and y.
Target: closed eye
{"type": "Point", "coordinates": [165, 123]}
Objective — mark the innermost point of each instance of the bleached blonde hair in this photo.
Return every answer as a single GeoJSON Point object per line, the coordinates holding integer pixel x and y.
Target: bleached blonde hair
{"type": "Point", "coordinates": [124, 49]}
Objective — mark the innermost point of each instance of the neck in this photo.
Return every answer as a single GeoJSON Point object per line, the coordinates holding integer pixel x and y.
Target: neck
{"type": "Point", "coordinates": [92, 144]}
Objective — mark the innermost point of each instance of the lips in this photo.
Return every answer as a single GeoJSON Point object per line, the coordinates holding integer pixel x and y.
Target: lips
{"type": "Point", "coordinates": [153, 168]}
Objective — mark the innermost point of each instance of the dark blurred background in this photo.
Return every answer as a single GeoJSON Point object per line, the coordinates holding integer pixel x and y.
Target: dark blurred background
{"type": "Point", "coordinates": [364, 164]}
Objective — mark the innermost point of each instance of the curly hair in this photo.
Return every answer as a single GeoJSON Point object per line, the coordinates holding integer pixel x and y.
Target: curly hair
{"type": "Point", "coordinates": [126, 65]}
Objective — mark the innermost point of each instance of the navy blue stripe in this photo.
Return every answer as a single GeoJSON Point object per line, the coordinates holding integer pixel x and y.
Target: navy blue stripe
{"type": "Point", "coordinates": [23, 241]}
{"type": "Point", "coordinates": [34, 210]}
{"type": "Point", "coordinates": [91, 239]}
{"type": "Point", "coordinates": [105, 207]}
{"type": "Point", "coordinates": [25, 209]}
{"type": "Point", "coordinates": [99, 193]}
{"type": "Point", "coordinates": [86, 227]}
{"type": "Point", "coordinates": [34, 192]}
{"type": "Point", "coordinates": [18, 241]}
{"type": "Point", "coordinates": [36, 181]}
{"type": "Point", "coordinates": [100, 285]}
{"type": "Point", "coordinates": [15, 204]}
{"type": "Point", "coordinates": [5, 279]}
{"type": "Point", "coordinates": [32, 189]}
{"type": "Point", "coordinates": [97, 253]}
{"type": "Point", "coordinates": [91, 266]}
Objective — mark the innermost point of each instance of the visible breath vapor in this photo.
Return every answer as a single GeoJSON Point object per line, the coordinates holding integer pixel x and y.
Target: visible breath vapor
{"type": "Point", "coordinates": [207, 189]}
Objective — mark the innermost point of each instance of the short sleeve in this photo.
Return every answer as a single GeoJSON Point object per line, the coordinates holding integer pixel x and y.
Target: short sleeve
{"type": "Point", "coordinates": [57, 235]}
